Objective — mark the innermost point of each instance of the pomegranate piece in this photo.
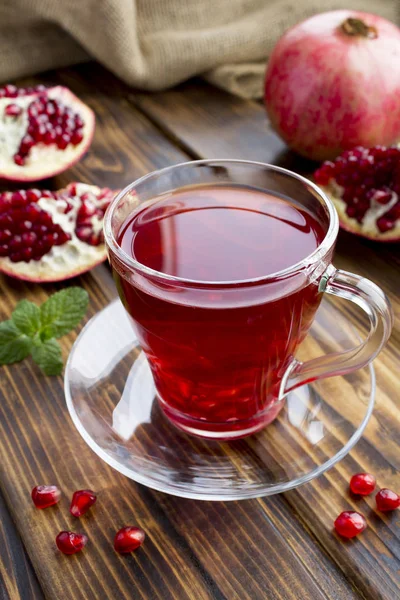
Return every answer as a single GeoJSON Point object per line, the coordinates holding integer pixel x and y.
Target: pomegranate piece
{"type": "Point", "coordinates": [350, 523]}
{"type": "Point", "coordinates": [44, 131]}
{"type": "Point", "coordinates": [51, 236]}
{"type": "Point", "coordinates": [364, 184]}
{"type": "Point", "coordinates": [71, 543]}
{"type": "Point", "coordinates": [321, 90]}
{"type": "Point", "coordinates": [82, 500]}
{"type": "Point", "coordinates": [386, 500]}
{"type": "Point", "coordinates": [362, 484]}
{"type": "Point", "coordinates": [128, 539]}
{"type": "Point", "coordinates": [44, 496]}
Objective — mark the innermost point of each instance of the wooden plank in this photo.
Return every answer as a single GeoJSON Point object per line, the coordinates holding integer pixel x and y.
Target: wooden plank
{"type": "Point", "coordinates": [17, 577]}
{"type": "Point", "coordinates": [38, 443]}
{"type": "Point", "coordinates": [211, 123]}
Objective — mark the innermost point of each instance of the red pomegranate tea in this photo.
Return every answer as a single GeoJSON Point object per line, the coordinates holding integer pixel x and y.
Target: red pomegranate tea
{"type": "Point", "coordinates": [218, 352]}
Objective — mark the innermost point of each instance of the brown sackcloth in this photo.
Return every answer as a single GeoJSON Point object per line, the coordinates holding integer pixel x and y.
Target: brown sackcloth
{"type": "Point", "coordinates": [154, 44]}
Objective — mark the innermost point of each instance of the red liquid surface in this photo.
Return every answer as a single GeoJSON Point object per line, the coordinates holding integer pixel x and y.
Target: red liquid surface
{"type": "Point", "coordinates": [218, 353]}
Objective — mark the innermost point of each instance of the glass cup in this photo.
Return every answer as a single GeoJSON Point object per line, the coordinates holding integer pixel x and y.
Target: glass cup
{"type": "Point", "coordinates": [222, 353]}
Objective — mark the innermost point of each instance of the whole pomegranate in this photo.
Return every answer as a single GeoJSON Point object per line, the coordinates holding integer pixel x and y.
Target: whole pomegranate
{"type": "Point", "coordinates": [43, 131]}
{"type": "Point", "coordinates": [333, 82]}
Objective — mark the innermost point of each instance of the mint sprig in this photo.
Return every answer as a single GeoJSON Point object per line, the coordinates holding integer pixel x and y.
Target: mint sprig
{"type": "Point", "coordinates": [33, 330]}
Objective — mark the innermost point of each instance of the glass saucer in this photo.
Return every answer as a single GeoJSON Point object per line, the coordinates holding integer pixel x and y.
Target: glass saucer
{"type": "Point", "coordinates": [110, 397]}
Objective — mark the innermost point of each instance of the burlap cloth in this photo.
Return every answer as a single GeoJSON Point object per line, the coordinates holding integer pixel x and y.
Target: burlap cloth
{"type": "Point", "coordinates": [154, 44]}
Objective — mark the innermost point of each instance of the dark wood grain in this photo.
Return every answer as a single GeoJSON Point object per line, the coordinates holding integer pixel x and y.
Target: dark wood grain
{"type": "Point", "coordinates": [373, 562]}
{"type": "Point", "coordinates": [18, 580]}
{"type": "Point", "coordinates": [280, 548]}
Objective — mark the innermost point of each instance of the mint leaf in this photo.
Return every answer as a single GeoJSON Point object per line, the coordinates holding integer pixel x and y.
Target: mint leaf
{"type": "Point", "coordinates": [14, 345]}
{"type": "Point", "coordinates": [48, 356]}
{"type": "Point", "coordinates": [26, 316]}
{"type": "Point", "coordinates": [62, 312]}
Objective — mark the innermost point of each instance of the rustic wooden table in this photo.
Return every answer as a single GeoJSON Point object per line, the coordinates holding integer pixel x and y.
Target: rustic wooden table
{"type": "Point", "coordinates": [278, 548]}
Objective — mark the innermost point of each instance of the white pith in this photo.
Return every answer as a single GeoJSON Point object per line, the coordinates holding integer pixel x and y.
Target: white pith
{"type": "Point", "coordinates": [69, 259]}
{"type": "Point", "coordinates": [42, 161]}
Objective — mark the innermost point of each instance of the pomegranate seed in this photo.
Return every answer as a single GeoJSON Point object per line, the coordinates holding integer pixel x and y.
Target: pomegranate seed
{"type": "Point", "coordinates": [83, 233]}
{"type": "Point", "coordinates": [19, 160]}
{"type": "Point", "coordinates": [384, 224]}
{"type": "Point", "coordinates": [128, 539]}
{"type": "Point", "coordinates": [82, 500]}
{"type": "Point", "coordinates": [33, 112]}
{"type": "Point", "coordinates": [77, 137]}
{"type": "Point", "coordinates": [4, 250]}
{"type": "Point", "coordinates": [26, 254]}
{"type": "Point", "coordinates": [78, 121]}
{"type": "Point", "coordinates": [26, 144]}
{"type": "Point", "coordinates": [29, 238]}
{"type": "Point", "coordinates": [44, 496]}
{"type": "Point", "coordinates": [49, 194]}
{"type": "Point", "coordinates": [16, 243]}
{"type": "Point", "coordinates": [24, 226]}
{"type": "Point", "coordinates": [5, 236]}
{"type": "Point", "coordinates": [50, 108]}
{"type": "Point", "coordinates": [19, 199]}
{"type": "Point", "coordinates": [71, 543]}
{"type": "Point", "coordinates": [63, 238]}
{"type": "Point", "coordinates": [49, 239]}
{"type": "Point", "coordinates": [325, 173]}
{"type": "Point", "coordinates": [50, 137]}
{"type": "Point", "coordinates": [12, 110]}
{"type": "Point", "coordinates": [32, 211]}
{"type": "Point", "coordinates": [69, 124]}
{"type": "Point", "coordinates": [382, 197]}
{"type": "Point", "coordinates": [362, 484]}
{"type": "Point", "coordinates": [59, 110]}
{"type": "Point", "coordinates": [40, 133]}
{"type": "Point", "coordinates": [11, 91]}
{"type": "Point", "coordinates": [350, 523]}
{"type": "Point", "coordinates": [33, 195]}
{"type": "Point", "coordinates": [63, 141]}
{"type": "Point", "coordinates": [387, 500]}
{"type": "Point", "coordinates": [45, 218]}
{"type": "Point", "coordinates": [6, 221]}
{"type": "Point", "coordinates": [87, 208]}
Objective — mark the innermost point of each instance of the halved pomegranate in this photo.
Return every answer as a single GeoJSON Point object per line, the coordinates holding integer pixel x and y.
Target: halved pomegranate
{"type": "Point", "coordinates": [51, 236]}
{"type": "Point", "coordinates": [364, 184]}
{"type": "Point", "coordinates": [43, 131]}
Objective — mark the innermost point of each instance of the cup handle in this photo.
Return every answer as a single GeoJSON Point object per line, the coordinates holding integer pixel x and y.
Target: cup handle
{"type": "Point", "coordinates": [374, 302]}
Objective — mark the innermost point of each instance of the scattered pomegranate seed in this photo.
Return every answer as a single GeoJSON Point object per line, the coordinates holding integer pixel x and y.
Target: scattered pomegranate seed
{"type": "Point", "coordinates": [387, 500]}
{"type": "Point", "coordinates": [82, 500]}
{"type": "Point", "coordinates": [350, 523]}
{"type": "Point", "coordinates": [44, 496]}
{"type": "Point", "coordinates": [71, 543]}
{"type": "Point", "coordinates": [128, 539]}
{"type": "Point", "coordinates": [362, 484]}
